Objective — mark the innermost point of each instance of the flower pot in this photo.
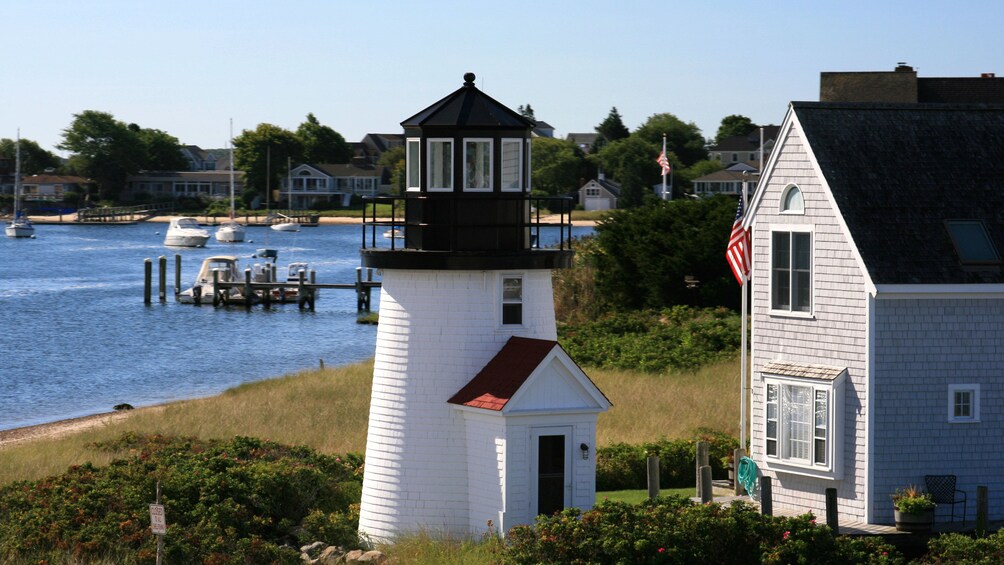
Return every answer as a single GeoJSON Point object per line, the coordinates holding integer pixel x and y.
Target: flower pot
{"type": "Point", "coordinates": [921, 522]}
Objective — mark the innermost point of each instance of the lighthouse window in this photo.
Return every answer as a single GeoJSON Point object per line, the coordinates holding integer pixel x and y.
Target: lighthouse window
{"type": "Point", "coordinates": [414, 164]}
{"type": "Point", "coordinates": [441, 164]}
{"type": "Point", "coordinates": [512, 163]}
{"type": "Point", "coordinates": [477, 164]}
{"type": "Point", "coordinates": [512, 300]}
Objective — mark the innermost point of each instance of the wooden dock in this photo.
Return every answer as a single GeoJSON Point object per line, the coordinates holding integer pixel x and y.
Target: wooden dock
{"type": "Point", "coordinates": [121, 215]}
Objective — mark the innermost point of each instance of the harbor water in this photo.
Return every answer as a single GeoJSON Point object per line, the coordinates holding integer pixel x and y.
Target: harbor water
{"type": "Point", "coordinates": [79, 340]}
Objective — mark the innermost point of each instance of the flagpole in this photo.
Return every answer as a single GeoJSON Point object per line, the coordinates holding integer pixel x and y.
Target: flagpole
{"type": "Point", "coordinates": [742, 340]}
{"type": "Point", "coordinates": [664, 170]}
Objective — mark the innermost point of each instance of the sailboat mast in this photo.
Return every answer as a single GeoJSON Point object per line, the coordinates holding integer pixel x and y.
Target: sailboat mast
{"type": "Point", "coordinates": [17, 176]}
{"type": "Point", "coordinates": [233, 212]}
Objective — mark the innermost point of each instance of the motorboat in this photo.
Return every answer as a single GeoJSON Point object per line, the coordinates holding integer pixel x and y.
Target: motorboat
{"type": "Point", "coordinates": [20, 226]}
{"type": "Point", "coordinates": [292, 293]}
{"type": "Point", "coordinates": [394, 234]}
{"type": "Point", "coordinates": [280, 222]}
{"type": "Point", "coordinates": [203, 289]}
{"type": "Point", "coordinates": [186, 232]}
{"type": "Point", "coordinates": [231, 231]}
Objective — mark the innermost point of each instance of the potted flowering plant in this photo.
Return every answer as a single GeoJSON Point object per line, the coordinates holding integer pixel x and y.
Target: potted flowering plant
{"type": "Point", "coordinates": [913, 509]}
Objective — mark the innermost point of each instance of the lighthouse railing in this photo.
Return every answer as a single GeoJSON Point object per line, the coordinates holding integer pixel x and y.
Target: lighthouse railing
{"type": "Point", "coordinates": [378, 225]}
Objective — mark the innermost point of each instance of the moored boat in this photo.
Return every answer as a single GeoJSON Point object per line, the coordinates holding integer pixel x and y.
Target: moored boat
{"type": "Point", "coordinates": [20, 226]}
{"type": "Point", "coordinates": [202, 290]}
{"type": "Point", "coordinates": [186, 232]}
{"type": "Point", "coordinates": [231, 231]}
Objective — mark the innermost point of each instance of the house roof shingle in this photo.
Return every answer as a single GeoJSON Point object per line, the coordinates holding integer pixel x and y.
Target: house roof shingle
{"type": "Point", "coordinates": [897, 172]}
{"type": "Point", "coordinates": [498, 381]}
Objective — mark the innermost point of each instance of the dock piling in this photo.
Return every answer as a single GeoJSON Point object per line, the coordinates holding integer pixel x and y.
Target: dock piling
{"type": "Point", "coordinates": [162, 264]}
{"type": "Point", "coordinates": [177, 274]}
{"type": "Point", "coordinates": [147, 276]}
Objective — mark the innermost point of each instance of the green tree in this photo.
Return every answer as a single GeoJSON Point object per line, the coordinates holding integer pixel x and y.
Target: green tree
{"type": "Point", "coordinates": [557, 166]}
{"type": "Point", "coordinates": [104, 149]}
{"type": "Point", "coordinates": [650, 257]}
{"type": "Point", "coordinates": [321, 144]}
{"type": "Point", "coordinates": [162, 151]}
{"type": "Point", "coordinates": [395, 160]}
{"type": "Point", "coordinates": [610, 129]}
{"type": "Point", "coordinates": [34, 159]}
{"type": "Point", "coordinates": [526, 112]}
{"type": "Point", "coordinates": [734, 125]}
{"type": "Point", "coordinates": [631, 162]}
{"type": "Point", "coordinates": [263, 154]}
{"type": "Point", "coordinates": [682, 139]}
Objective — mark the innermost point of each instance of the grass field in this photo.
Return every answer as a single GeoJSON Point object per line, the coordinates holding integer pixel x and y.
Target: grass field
{"type": "Point", "coordinates": [328, 410]}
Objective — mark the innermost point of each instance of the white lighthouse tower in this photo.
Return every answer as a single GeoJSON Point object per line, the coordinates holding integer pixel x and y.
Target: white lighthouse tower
{"type": "Point", "coordinates": [477, 414]}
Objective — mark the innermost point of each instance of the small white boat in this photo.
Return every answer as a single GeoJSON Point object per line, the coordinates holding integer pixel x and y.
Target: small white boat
{"type": "Point", "coordinates": [186, 232]}
{"type": "Point", "coordinates": [202, 289]}
{"type": "Point", "coordinates": [280, 222]}
{"type": "Point", "coordinates": [292, 293]}
{"type": "Point", "coordinates": [231, 231]}
{"type": "Point", "coordinates": [20, 226]}
{"type": "Point", "coordinates": [394, 234]}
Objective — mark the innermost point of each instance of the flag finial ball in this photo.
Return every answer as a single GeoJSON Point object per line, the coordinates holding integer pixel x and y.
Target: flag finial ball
{"type": "Point", "coordinates": [469, 79]}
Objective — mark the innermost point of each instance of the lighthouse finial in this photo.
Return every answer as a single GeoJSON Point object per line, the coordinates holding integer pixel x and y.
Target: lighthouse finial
{"type": "Point", "coordinates": [469, 79]}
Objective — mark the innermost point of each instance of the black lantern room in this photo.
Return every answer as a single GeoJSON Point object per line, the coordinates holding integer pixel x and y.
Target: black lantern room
{"type": "Point", "coordinates": [467, 202]}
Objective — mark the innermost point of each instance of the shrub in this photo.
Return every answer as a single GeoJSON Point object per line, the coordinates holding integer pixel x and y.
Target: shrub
{"type": "Point", "coordinates": [235, 501]}
{"type": "Point", "coordinates": [959, 548]}
{"type": "Point", "coordinates": [674, 530]}
{"type": "Point", "coordinates": [654, 341]}
{"type": "Point", "coordinates": [622, 466]}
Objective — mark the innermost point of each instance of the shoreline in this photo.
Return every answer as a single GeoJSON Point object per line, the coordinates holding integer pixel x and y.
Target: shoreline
{"type": "Point", "coordinates": [321, 221]}
{"type": "Point", "coordinates": [58, 428]}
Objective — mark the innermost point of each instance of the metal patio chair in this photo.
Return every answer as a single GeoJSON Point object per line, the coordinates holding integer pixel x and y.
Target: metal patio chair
{"type": "Point", "coordinates": [943, 492]}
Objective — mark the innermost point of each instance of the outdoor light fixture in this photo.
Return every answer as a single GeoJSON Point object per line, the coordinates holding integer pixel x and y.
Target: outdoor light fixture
{"type": "Point", "coordinates": [585, 450]}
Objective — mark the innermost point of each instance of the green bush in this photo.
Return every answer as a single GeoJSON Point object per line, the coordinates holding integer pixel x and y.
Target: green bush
{"type": "Point", "coordinates": [959, 548]}
{"type": "Point", "coordinates": [236, 501]}
{"type": "Point", "coordinates": [673, 530]}
{"type": "Point", "coordinates": [623, 467]}
{"type": "Point", "coordinates": [680, 337]}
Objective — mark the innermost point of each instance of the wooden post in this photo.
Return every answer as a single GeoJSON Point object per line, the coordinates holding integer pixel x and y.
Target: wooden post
{"type": "Point", "coordinates": [766, 494]}
{"type": "Point", "coordinates": [177, 273]}
{"type": "Point", "coordinates": [301, 291]}
{"type": "Point", "coordinates": [247, 288]}
{"type": "Point", "coordinates": [653, 476]}
{"type": "Point", "coordinates": [981, 511]}
{"type": "Point", "coordinates": [216, 288]}
{"type": "Point", "coordinates": [707, 495]}
{"type": "Point", "coordinates": [831, 510]}
{"type": "Point", "coordinates": [162, 265]}
{"type": "Point", "coordinates": [147, 275]}
{"type": "Point", "coordinates": [702, 460]}
{"type": "Point", "coordinates": [737, 487]}
{"type": "Point", "coordinates": [312, 291]}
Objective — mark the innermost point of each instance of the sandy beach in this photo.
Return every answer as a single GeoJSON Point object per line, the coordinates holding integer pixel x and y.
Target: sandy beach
{"type": "Point", "coordinates": [61, 428]}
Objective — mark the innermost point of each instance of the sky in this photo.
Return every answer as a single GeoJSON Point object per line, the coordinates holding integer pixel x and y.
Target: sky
{"type": "Point", "coordinates": [188, 68]}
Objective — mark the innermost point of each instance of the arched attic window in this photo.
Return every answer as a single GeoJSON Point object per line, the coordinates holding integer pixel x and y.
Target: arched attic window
{"type": "Point", "coordinates": [791, 201]}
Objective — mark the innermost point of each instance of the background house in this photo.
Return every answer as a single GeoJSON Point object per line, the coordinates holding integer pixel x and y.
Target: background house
{"type": "Point", "coordinates": [332, 184]}
{"type": "Point", "coordinates": [728, 181]}
{"type": "Point", "coordinates": [52, 187]}
{"type": "Point", "coordinates": [878, 304]}
{"type": "Point", "coordinates": [744, 148]}
{"type": "Point", "coordinates": [599, 194]}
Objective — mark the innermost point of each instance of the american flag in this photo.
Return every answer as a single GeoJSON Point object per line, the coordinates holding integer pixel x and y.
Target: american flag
{"type": "Point", "coordinates": [738, 251]}
{"type": "Point", "coordinates": [663, 162]}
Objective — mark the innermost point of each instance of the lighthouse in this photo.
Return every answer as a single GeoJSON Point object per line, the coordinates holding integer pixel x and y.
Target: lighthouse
{"type": "Point", "coordinates": [477, 415]}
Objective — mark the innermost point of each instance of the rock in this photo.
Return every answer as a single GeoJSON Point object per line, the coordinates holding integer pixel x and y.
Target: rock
{"type": "Point", "coordinates": [353, 556]}
{"type": "Point", "coordinates": [312, 551]}
{"type": "Point", "coordinates": [332, 555]}
{"type": "Point", "coordinates": [372, 556]}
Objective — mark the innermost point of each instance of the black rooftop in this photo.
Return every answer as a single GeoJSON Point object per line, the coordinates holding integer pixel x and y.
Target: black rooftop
{"type": "Point", "coordinates": [898, 171]}
{"type": "Point", "coordinates": [468, 107]}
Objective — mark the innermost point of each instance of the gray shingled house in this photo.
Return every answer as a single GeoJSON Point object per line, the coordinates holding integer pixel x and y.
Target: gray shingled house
{"type": "Point", "coordinates": [878, 305]}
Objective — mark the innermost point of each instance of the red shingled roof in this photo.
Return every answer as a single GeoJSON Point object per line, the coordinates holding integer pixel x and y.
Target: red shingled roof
{"type": "Point", "coordinates": [495, 385]}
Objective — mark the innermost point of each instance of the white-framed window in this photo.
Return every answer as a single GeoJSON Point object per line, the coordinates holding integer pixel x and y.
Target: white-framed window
{"type": "Point", "coordinates": [414, 164]}
{"type": "Point", "coordinates": [791, 201]}
{"type": "Point", "coordinates": [963, 403]}
{"type": "Point", "coordinates": [592, 192]}
{"type": "Point", "coordinates": [478, 165]}
{"type": "Point", "coordinates": [440, 161]}
{"type": "Point", "coordinates": [512, 300]}
{"type": "Point", "coordinates": [512, 164]}
{"type": "Point", "coordinates": [803, 422]}
{"type": "Point", "coordinates": [791, 271]}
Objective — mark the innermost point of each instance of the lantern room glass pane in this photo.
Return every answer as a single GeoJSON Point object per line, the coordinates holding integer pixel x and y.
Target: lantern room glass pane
{"type": "Point", "coordinates": [511, 164]}
{"type": "Point", "coordinates": [440, 164]}
{"type": "Point", "coordinates": [478, 164]}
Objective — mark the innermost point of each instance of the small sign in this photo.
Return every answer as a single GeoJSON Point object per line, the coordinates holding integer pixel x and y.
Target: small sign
{"type": "Point", "coordinates": [158, 523]}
